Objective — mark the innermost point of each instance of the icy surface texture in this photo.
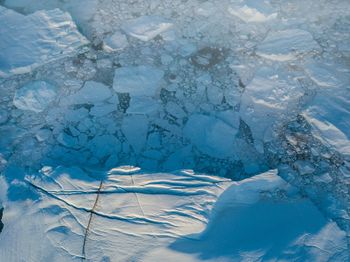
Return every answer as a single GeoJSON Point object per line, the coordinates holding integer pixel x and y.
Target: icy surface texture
{"type": "Point", "coordinates": [230, 88]}
{"type": "Point", "coordinates": [29, 41]}
{"type": "Point", "coordinates": [138, 216]}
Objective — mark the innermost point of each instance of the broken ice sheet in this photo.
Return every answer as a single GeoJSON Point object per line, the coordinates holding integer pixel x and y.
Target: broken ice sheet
{"type": "Point", "coordinates": [27, 42]}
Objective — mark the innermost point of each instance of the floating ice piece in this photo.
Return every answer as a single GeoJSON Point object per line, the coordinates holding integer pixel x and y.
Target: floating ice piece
{"type": "Point", "coordinates": [146, 28]}
{"type": "Point", "coordinates": [304, 167]}
{"type": "Point", "coordinates": [115, 42]}
{"type": "Point", "coordinates": [135, 129]}
{"type": "Point", "coordinates": [267, 100]}
{"type": "Point", "coordinates": [254, 11]}
{"type": "Point", "coordinates": [35, 96]}
{"type": "Point", "coordinates": [91, 93]}
{"type": "Point", "coordinates": [211, 135]}
{"type": "Point", "coordinates": [102, 110]}
{"type": "Point", "coordinates": [329, 116]}
{"type": "Point", "coordinates": [29, 41]}
{"type": "Point", "coordinates": [137, 80]}
{"type": "Point", "coordinates": [143, 105]}
{"type": "Point", "coordinates": [323, 75]}
{"type": "Point", "coordinates": [287, 45]}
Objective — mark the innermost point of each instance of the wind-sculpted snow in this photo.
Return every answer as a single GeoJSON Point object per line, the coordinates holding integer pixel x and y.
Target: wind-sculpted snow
{"type": "Point", "coordinates": [227, 88]}
{"type": "Point", "coordinates": [135, 215]}
{"type": "Point", "coordinates": [29, 41]}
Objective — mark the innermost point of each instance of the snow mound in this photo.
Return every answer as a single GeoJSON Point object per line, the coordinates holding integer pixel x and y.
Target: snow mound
{"type": "Point", "coordinates": [29, 41]}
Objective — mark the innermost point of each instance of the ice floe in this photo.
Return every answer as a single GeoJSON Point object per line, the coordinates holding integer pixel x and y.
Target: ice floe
{"type": "Point", "coordinates": [211, 135]}
{"type": "Point", "coordinates": [137, 80]}
{"type": "Point", "coordinates": [287, 45]}
{"type": "Point", "coordinates": [35, 96]}
{"type": "Point", "coordinates": [30, 41]}
{"type": "Point", "coordinates": [146, 28]}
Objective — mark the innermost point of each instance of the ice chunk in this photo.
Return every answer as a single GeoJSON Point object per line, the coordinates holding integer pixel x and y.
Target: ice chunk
{"type": "Point", "coordinates": [91, 93]}
{"type": "Point", "coordinates": [254, 11]}
{"type": "Point", "coordinates": [115, 42]}
{"type": "Point", "coordinates": [211, 135]}
{"type": "Point", "coordinates": [135, 129]}
{"type": "Point", "coordinates": [137, 80]}
{"type": "Point", "coordinates": [329, 116]}
{"type": "Point", "coordinates": [30, 41]}
{"type": "Point", "coordinates": [35, 96]}
{"type": "Point", "coordinates": [102, 110]}
{"type": "Point", "coordinates": [267, 100]}
{"type": "Point", "coordinates": [323, 75]}
{"type": "Point", "coordinates": [146, 28]}
{"type": "Point", "coordinates": [287, 45]}
{"type": "Point", "coordinates": [143, 105]}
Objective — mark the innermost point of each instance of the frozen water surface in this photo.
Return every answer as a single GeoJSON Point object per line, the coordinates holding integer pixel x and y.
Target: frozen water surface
{"type": "Point", "coordinates": [180, 130]}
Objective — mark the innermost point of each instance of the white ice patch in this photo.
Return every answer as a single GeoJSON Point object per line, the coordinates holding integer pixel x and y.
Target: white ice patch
{"type": "Point", "coordinates": [29, 41]}
{"type": "Point", "coordinates": [254, 11]}
{"type": "Point", "coordinates": [267, 101]}
{"type": "Point", "coordinates": [35, 96]}
{"type": "Point", "coordinates": [115, 42]}
{"type": "Point", "coordinates": [137, 80]}
{"type": "Point", "coordinates": [146, 28]}
{"type": "Point", "coordinates": [211, 135]}
{"type": "Point", "coordinates": [287, 45]}
{"type": "Point", "coordinates": [329, 116]}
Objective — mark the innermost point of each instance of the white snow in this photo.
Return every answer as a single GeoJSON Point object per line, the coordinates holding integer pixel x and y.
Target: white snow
{"type": "Point", "coordinates": [35, 96]}
{"type": "Point", "coordinates": [27, 42]}
{"type": "Point", "coordinates": [287, 45]}
{"type": "Point", "coordinates": [254, 11]}
{"type": "Point", "coordinates": [267, 100]}
{"type": "Point", "coordinates": [329, 115]}
{"type": "Point", "coordinates": [146, 28]}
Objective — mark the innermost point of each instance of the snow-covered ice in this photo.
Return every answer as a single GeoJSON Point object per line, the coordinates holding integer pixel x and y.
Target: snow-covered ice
{"type": "Point", "coordinates": [29, 41]}
{"type": "Point", "coordinates": [35, 96]}
{"type": "Point", "coordinates": [137, 80]}
{"type": "Point", "coordinates": [287, 45]}
{"type": "Point", "coordinates": [146, 28]}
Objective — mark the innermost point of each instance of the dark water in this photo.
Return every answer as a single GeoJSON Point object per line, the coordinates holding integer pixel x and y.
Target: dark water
{"type": "Point", "coordinates": [1, 224]}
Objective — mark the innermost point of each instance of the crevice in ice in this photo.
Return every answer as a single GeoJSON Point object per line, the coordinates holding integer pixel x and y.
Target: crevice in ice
{"type": "Point", "coordinates": [1, 215]}
{"type": "Point", "coordinates": [87, 229]}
